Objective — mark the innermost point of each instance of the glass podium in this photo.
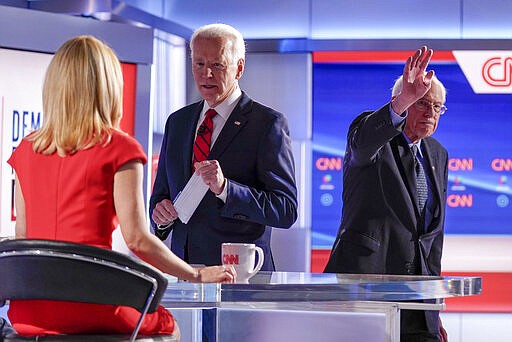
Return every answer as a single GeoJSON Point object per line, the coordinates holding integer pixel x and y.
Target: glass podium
{"type": "Point", "coordinates": [294, 306]}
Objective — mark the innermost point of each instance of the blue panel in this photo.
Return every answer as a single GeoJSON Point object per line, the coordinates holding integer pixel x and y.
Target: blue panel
{"type": "Point", "coordinates": [487, 19]}
{"type": "Point", "coordinates": [385, 19]}
{"type": "Point", "coordinates": [154, 7]}
{"type": "Point", "coordinates": [44, 32]}
{"type": "Point", "coordinates": [341, 19]}
{"type": "Point", "coordinates": [475, 130]}
{"type": "Point", "coordinates": [254, 19]}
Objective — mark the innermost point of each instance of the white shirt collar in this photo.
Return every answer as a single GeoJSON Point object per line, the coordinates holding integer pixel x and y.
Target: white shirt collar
{"type": "Point", "coordinates": [224, 108]}
{"type": "Point", "coordinates": [418, 144]}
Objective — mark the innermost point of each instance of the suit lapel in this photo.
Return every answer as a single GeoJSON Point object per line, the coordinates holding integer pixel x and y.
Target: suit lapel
{"type": "Point", "coordinates": [234, 125]}
{"type": "Point", "coordinates": [429, 157]}
{"type": "Point", "coordinates": [405, 163]}
{"type": "Point", "coordinates": [405, 166]}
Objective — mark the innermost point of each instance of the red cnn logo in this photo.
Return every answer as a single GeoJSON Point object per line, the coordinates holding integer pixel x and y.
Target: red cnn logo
{"type": "Point", "coordinates": [460, 164]}
{"type": "Point", "coordinates": [500, 164]}
{"type": "Point", "coordinates": [497, 71]}
{"type": "Point", "coordinates": [455, 201]}
{"type": "Point", "coordinates": [230, 259]}
{"type": "Point", "coordinates": [325, 164]}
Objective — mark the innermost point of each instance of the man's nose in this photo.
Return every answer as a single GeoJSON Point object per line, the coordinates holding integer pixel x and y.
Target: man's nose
{"type": "Point", "coordinates": [208, 72]}
{"type": "Point", "coordinates": [429, 111]}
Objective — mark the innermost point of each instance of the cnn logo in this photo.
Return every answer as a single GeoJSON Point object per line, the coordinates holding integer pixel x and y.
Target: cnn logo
{"type": "Point", "coordinates": [460, 164]}
{"type": "Point", "coordinates": [324, 163]}
{"type": "Point", "coordinates": [488, 72]}
{"type": "Point", "coordinates": [499, 164]}
{"type": "Point", "coordinates": [497, 71]}
{"type": "Point", "coordinates": [459, 201]}
{"type": "Point", "coordinates": [230, 259]}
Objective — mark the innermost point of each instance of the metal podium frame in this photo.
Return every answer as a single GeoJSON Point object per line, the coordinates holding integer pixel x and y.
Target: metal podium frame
{"type": "Point", "coordinates": [303, 306]}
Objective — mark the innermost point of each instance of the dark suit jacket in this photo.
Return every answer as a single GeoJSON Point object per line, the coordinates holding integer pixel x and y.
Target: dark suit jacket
{"type": "Point", "coordinates": [379, 231]}
{"type": "Point", "coordinates": [255, 154]}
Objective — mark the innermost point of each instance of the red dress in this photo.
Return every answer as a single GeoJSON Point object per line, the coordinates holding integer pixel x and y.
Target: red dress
{"type": "Point", "coordinates": [71, 199]}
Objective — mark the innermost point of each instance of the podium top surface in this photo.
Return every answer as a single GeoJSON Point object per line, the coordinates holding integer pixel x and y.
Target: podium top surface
{"type": "Point", "coordinates": [312, 287]}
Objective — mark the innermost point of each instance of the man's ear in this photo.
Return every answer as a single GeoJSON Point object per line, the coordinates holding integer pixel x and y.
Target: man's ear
{"type": "Point", "coordinates": [240, 65]}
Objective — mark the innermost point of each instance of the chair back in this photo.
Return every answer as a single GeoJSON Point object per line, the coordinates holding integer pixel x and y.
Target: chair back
{"type": "Point", "coordinates": [57, 270]}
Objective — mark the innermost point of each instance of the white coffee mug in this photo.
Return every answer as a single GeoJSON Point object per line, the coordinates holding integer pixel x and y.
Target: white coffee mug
{"type": "Point", "coordinates": [241, 256]}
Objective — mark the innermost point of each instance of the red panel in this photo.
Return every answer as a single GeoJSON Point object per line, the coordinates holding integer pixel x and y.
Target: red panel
{"type": "Point", "coordinates": [154, 168]}
{"type": "Point", "coordinates": [375, 56]}
{"type": "Point", "coordinates": [129, 77]}
{"type": "Point", "coordinates": [319, 259]}
{"type": "Point", "coordinates": [496, 293]}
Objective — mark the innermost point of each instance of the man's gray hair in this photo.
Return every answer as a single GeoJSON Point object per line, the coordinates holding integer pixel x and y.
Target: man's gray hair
{"type": "Point", "coordinates": [235, 38]}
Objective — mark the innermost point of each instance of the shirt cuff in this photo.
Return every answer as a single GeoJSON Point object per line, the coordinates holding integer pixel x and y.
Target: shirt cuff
{"type": "Point", "coordinates": [224, 194]}
{"type": "Point", "coordinates": [164, 226]}
{"type": "Point", "coordinates": [396, 118]}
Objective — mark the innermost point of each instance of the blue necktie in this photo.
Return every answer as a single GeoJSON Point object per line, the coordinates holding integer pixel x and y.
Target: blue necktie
{"type": "Point", "coordinates": [421, 180]}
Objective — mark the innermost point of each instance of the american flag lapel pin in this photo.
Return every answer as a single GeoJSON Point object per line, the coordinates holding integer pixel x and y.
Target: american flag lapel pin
{"type": "Point", "coordinates": [237, 123]}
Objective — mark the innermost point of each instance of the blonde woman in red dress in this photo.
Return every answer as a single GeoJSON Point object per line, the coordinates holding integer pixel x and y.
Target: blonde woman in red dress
{"type": "Point", "coordinates": [74, 176]}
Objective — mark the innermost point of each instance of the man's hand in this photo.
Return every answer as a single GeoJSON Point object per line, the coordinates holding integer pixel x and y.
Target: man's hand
{"type": "Point", "coordinates": [416, 81]}
{"type": "Point", "coordinates": [212, 175]}
{"type": "Point", "coordinates": [164, 213]}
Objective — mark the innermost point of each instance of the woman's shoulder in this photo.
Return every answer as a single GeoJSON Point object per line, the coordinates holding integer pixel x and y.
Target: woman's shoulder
{"type": "Point", "coordinates": [22, 153]}
{"type": "Point", "coordinates": [127, 145]}
{"type": "Point", "coordinates": [24, 146]}
{"type": "Point", "coordinates": [121, 135]}
{"type": "Point", "coordinates": [120, 138]}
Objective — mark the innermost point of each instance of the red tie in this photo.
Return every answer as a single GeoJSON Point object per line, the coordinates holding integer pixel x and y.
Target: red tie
{"type": "Point", "coordinates": [204, 138]}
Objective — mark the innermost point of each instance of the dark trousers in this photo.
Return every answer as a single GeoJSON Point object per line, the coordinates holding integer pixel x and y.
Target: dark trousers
{"type": "Point", "coordinates": [209, 325]}
{"type": "Point", "coordinates": [5, 328]}
{"type": "Point", "coordinates": [413, 327]}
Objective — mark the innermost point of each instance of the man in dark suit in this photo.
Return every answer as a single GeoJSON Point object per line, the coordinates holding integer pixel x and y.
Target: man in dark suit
{"type": "Point", "coordinates": [389, 226]}
{"type": "Point", "coordinates": [249, 168]}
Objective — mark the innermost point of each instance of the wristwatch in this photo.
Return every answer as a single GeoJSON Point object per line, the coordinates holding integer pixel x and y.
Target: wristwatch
{"type": "Point", "coordinates": [164, 226]}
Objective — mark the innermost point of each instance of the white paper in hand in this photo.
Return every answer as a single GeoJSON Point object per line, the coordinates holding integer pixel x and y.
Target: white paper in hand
{"type": "Point", "coordinates": [190, 197]}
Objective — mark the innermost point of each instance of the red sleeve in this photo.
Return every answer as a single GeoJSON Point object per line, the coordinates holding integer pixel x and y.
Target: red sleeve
{"type": "Point", "coordinates": [126, 149]}
{"type": "Point", "coordinates": [14, 158]}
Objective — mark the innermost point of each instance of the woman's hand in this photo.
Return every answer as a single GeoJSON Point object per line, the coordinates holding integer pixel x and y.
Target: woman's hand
{"type": "Point", "coordinates": [216, 274]}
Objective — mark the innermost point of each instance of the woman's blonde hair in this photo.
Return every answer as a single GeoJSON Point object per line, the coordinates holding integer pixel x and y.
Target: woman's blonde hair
{"type": "Point", "coordinates": [82, 97]}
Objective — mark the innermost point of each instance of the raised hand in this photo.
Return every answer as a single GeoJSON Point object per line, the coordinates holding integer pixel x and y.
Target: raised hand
{"type": "Point", "coordinates": [416, 80]}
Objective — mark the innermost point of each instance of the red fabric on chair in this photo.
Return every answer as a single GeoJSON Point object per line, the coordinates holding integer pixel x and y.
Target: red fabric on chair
{"type": "Point", "coordinates": [34, 317]}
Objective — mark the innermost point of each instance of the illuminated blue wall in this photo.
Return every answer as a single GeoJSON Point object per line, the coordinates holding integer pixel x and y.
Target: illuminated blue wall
{"type": "Point", "coordinates": [344, 19]}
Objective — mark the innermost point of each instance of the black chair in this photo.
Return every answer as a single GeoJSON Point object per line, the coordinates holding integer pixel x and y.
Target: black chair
{"type": "Point", "coordinates": [56, 270]}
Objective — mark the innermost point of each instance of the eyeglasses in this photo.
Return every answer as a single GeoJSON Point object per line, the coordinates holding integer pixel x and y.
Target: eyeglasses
{"type": "Point", "coordinates": [425, 105]}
